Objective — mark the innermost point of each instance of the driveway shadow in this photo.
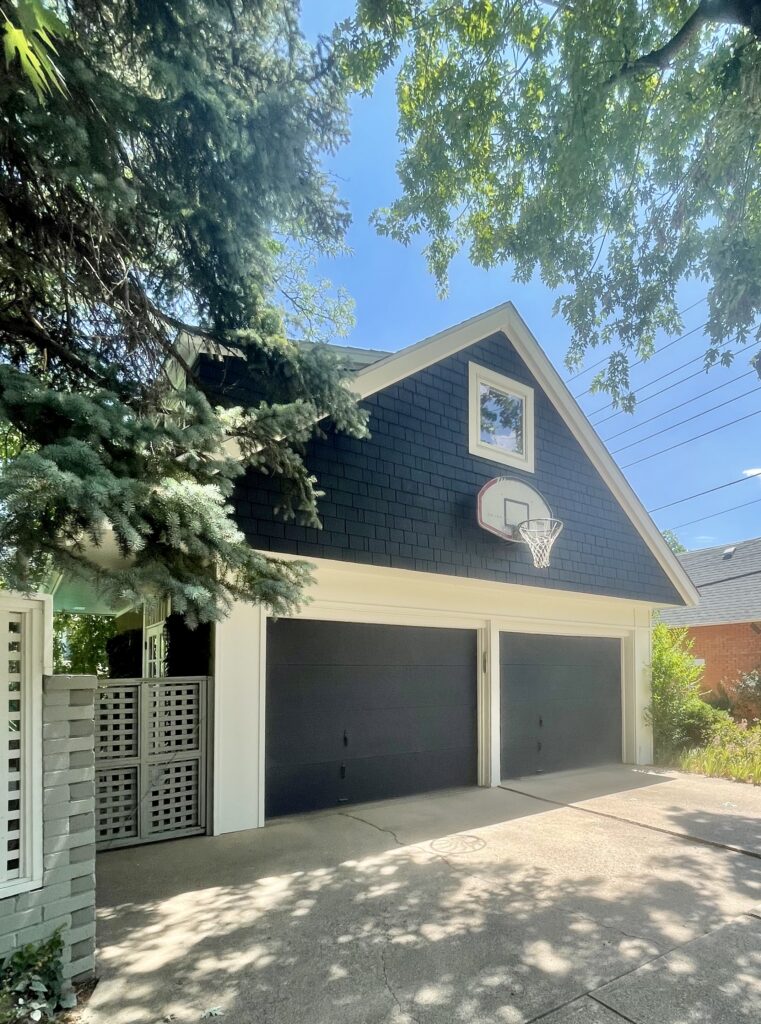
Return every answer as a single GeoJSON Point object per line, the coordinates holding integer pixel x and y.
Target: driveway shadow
{"type": "Point", "coordinates": [337, 918]}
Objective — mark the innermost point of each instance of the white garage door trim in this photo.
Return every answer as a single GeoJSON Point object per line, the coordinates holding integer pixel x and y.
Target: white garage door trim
{"type": "Point", "coordinates": [354, 593]}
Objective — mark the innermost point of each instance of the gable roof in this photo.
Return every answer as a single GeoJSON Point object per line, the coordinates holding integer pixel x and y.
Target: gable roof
{"type": "Point", "coordinates": [505, 319]}
{"type": "Point", "coordinates": [728, 578]}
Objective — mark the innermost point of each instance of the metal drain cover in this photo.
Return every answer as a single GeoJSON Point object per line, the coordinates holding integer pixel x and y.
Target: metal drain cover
{"type": "Point", "coordinates": [451, 845]}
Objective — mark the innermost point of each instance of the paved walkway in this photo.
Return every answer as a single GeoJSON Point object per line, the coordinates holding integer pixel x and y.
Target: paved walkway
{"type": "Point", "coordinates": [579, 898]}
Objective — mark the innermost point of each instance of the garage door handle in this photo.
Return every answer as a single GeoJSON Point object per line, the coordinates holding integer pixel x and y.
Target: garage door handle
{"type": "Point", "coordinates": [346, 738]}
{"type": "Point", "coordinates": [541, 721]}
{"type": "Point", "coordinates": [343, 771]}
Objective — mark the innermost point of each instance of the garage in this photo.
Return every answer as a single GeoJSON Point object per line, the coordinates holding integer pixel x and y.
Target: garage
{"type": "Point", "coordinates": [560, 702]}
{"type": "Point", "coordinates": [359, 711]}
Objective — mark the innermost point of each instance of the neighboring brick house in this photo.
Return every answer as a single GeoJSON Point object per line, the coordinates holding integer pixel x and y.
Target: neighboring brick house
{"type": "Point", "coordinates": [726, 625]}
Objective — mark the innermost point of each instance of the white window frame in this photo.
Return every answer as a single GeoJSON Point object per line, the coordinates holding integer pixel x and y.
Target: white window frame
{"type": "Point", "coordinates": [37, 657]}
{"type": "Point", "coordinates": [478, 375]}
{"type": "Point", "coordinates": [155, 614]}
{"type": "Point", "coordinates": [154, 668]}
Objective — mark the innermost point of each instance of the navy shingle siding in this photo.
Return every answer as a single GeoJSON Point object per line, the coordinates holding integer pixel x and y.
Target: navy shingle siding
{"type": "Point", "coordinates": [406, 496]}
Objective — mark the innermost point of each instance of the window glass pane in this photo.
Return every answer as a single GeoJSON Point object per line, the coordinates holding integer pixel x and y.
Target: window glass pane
{"type": "Point", "coordinates": [501, 422]}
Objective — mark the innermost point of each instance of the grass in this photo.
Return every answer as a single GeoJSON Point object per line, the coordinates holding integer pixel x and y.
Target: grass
{"type": "Point", "coordinates": [733, 753]}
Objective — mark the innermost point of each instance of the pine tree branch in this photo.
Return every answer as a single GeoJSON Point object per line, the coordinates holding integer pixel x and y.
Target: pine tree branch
{"type": "Point", "coordinates": [33, 332]}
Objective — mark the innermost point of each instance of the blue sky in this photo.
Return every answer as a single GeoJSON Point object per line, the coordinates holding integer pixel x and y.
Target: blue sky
{"type": "Point", "coordinates": [397, 305]}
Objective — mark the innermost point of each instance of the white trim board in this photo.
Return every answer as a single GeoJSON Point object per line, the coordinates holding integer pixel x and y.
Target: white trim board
{"type": "Point", "coordinates": [505, 319]}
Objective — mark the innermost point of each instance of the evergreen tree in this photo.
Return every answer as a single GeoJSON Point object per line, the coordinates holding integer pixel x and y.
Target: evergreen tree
{"type": "Point", "coordinates": [157, 158]}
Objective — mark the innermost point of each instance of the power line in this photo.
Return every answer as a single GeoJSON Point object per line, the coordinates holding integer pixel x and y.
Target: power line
{"type": "Point", "coordinates": [673, 408]}
{"type": "Point", "coordinates": [593, 366]}
{"type": "Point", "coordinates": [719, 487]}
{"type": "Point", "coordinates": [713, 515]}
{"type": "Point", "coordinates": [688, 419]}
{"type": "Point", "coordinates": [669, 387]}
{"type": "Point", "coordinates": [697, 437]}
{"type": "Point", "coordinates": [639, 361]}
{"type": "Point", "coordinates": [655, 380]}
{"type": "Point", "coordinates": [655, 394]}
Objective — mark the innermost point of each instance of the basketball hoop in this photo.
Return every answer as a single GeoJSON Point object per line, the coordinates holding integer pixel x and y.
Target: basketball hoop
{"type": "Point", "coordinates": [540, 535]}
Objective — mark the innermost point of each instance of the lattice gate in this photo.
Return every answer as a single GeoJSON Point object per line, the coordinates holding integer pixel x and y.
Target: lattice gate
{"type": "Point", "coordinates": [151, 765]}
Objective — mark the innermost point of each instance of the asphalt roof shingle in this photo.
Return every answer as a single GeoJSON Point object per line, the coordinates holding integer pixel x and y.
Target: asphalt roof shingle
{"type": "Point", "coordinates": [728, 578]}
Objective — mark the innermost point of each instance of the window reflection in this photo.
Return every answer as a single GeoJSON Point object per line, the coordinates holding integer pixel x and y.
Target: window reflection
{"type": "Point", "coordinates": [501, 419]}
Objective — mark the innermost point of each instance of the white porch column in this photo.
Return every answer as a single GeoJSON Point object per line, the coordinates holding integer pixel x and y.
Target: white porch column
{"type": "Point", "coordinates": [489, 723]}
{"type": "Point", "coordinates": [637, 658]}
{"type": "Point", "coordinates": [239, 695]}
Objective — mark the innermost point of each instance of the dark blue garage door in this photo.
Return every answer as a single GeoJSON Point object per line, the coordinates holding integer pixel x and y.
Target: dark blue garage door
{"type": "Point", "coordinates": [363, 712]}
{"type": "Point", "coordinates": [560, 702]}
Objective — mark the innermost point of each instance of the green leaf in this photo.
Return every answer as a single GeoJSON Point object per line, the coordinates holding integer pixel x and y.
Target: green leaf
{"type": "Point", "coordinates": [32, 43]}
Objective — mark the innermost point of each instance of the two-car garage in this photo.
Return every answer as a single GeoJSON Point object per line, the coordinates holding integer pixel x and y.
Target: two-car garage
{"type": "Point", "coordinates": [363, 711]}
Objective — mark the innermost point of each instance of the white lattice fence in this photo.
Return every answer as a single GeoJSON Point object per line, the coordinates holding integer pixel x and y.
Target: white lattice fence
{"type": "Point", "coordinates": [151, 760]}
{"type": "Point", "coordinates": [11, 729]}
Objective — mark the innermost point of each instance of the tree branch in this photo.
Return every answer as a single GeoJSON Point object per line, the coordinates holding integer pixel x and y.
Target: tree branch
{"type": "Point", "coordinates": [33, 332]}
{"type": "Point", "coordinates": [733, 12]}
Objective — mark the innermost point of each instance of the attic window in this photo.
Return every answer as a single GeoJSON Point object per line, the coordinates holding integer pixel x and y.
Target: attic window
{"type": "Point", "coordinates": [501, 419]}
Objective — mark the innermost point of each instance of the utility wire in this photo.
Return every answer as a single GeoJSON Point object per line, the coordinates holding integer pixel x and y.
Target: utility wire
{"type": "Point", "coordinates": [655, 380]}
{"type": "Point", "coordinates": [720, 487]}
{"type": "Point", "coordinates": [688, 419]}
{"type": "Point", "coordinates": [673, 408]}
{"type": "Point", "coordinates": [693, 331]}
{"type": "Point", "coordinates": [713, 515]}
{"type": "Point", "coordinates": [697, 437]}
{"type": "Point", "coordinates": [669, 387]}
{"type": "Point", "coordinates": [580, 373]}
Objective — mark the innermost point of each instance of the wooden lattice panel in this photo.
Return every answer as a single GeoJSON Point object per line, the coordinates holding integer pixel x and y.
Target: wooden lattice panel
{"type": "Point", "coordinates": [118, 723]}
{"type": "Point", "coordinates": [151, 761]}
{"type": "Point", "coordinates": [11, 731]}
{"type": "Point", "coordinates": [116, 804]}
{"type": "Point", "coordinates": [173, 804]}
{"type": "Point", "coordinates": [174, 721]}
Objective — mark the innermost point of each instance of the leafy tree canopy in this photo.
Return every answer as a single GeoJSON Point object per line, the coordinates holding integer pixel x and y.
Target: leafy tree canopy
{"type": "Point", "coordinates": [679, 716]}
{"type": "Point", "coordinates": [613, 148]}
{"type": "Point", "coordinates": [79, 643]}
{"type": "Point", "coordinates": [159, 176]}
{"type": "Point", "coordinates": [674, 542]}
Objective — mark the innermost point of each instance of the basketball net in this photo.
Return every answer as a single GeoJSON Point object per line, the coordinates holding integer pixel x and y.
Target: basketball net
{"type": "Point", "coordinates": [540, 535]}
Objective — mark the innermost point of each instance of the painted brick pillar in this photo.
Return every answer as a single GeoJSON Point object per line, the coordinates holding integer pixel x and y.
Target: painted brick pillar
{"type": "Point", "coordinates": [67, 895]}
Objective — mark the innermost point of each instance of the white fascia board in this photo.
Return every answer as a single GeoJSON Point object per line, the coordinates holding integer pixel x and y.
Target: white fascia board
{"type": "Point", "coordinates": [345, 586]}
{"type": "Point", "coordinates": [506, 320]}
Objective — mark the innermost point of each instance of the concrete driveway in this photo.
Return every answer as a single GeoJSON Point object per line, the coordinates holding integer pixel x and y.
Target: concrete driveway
{"type": "Point", "coordinates": [580, 898]}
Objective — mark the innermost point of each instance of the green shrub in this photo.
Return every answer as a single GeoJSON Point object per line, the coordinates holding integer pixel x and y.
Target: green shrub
{"type": "Point", "coordinates": [744, 695]}
{"type": "Point", "coordinates": [734, 752]}
{"type": "Point", "coordinates": [31, 983]}
{"type": "Point", "coordinates": [679, 715]}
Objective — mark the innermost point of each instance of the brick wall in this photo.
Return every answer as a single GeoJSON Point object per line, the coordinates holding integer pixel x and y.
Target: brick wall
{"type": "Point", "coordinates": [67, 895]}
{"type": "Point", "coordinates": [727, 650]}
{"type": "Point", "coordinates": [406, 496]}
